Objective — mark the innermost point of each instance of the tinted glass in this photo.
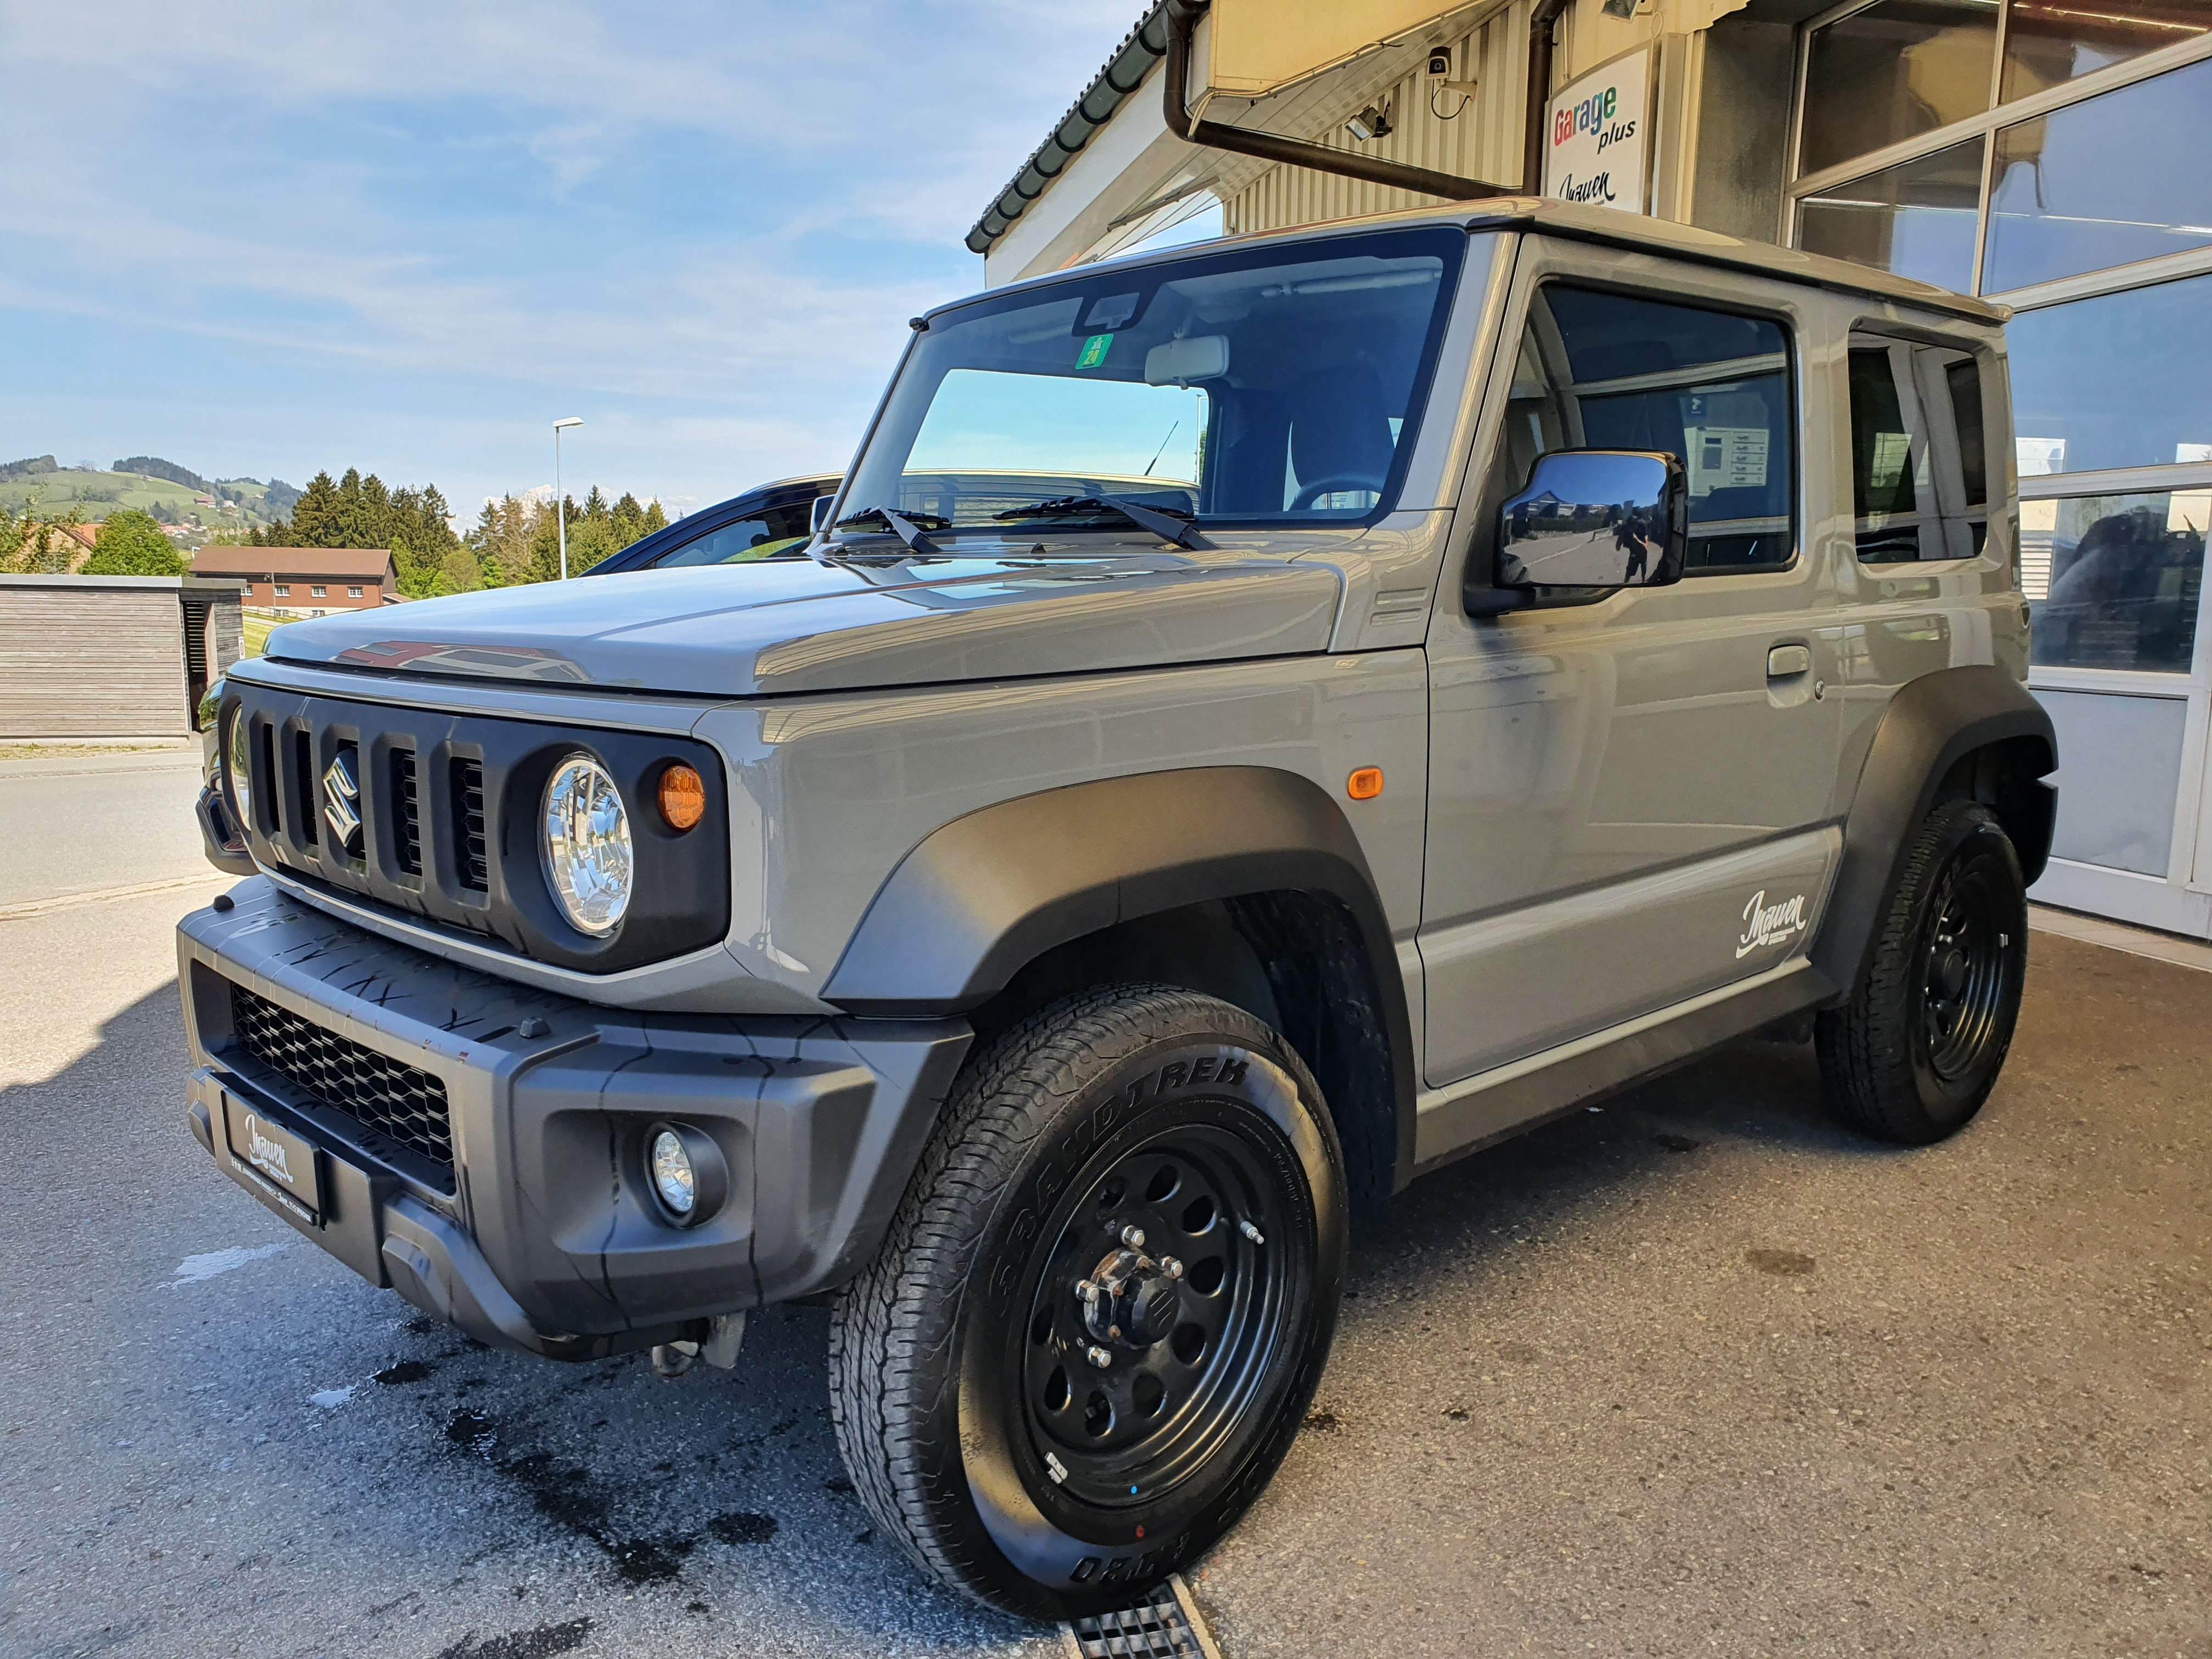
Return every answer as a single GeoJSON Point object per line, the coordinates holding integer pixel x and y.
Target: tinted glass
{"type": "Point", "coordinates": [2080, 190]}
{"type": "Point", "coordinates": [1276, 384]}
{"type": "Point", "coordinates": [2123, 379]}
{"type": "Point", "coordinates": [2047, 45]}
{"type": "Point", "coordinates": [774, 530]}
{"type": "Point", "coordinates": [1917, 219]}
{"type": "Point", "coordinates": [1604, 371]}
{"type": "Point", "coordinates": [2115, 579]}
{"type": "Point", "coordinates": [1919, 473]}
{"type": "Point", "coordinates": [1892, 72]}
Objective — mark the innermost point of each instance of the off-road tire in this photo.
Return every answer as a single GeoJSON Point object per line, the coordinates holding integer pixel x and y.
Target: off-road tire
{"type": "Point", "coordinates": [921, 1344]}
{"type": "Point", "coordinates": [1882, 1064]}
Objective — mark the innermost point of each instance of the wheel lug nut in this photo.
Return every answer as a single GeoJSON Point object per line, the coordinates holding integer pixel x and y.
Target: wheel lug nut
{"type": "Point", "coordinates": [1170, 1266]}
{"type": "Point", "coordinates": [1086, 1290]}
{"type": "Point", "coordinates": [1134, 1238]}
{"type": "Point", "coordinates": [1100, 1357]}
{"type": "Point", "coordinates": [1251, 1232]}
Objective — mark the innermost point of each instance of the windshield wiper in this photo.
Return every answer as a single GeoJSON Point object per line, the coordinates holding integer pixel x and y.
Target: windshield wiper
{"type": "Point", "coordinates": [1179, 528]}
{"type": "Point", "coordinates": [907, 530]}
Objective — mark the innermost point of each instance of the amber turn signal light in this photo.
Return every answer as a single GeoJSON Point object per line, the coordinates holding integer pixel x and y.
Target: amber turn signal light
{"type": "Point", "coordinates": [682, 797]}
{"type": "Point", "coordinates": [1364, 784]}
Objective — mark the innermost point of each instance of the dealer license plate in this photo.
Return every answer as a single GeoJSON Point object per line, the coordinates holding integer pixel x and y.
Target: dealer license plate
{"type": "Point", "coordinates": [287, 1168]}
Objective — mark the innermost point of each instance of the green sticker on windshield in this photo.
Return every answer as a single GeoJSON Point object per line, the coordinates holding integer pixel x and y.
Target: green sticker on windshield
{"type": "Point", "coordinates": [1094, 351]}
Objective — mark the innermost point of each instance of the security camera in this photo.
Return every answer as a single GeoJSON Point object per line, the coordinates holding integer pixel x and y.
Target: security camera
{"type": "Point", "coordinates": [1440, 65]}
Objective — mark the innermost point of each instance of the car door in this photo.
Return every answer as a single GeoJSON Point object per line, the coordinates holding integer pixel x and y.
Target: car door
{"type": "Point", "coordinates": [1630, 794]}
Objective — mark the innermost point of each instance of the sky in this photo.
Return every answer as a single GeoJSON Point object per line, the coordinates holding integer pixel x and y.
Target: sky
{"type": "Point", "coordinates": [264, 238]}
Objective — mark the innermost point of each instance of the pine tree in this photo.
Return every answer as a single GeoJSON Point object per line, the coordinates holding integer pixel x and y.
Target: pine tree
{"type": "Point", "coordinates": [318, 519]}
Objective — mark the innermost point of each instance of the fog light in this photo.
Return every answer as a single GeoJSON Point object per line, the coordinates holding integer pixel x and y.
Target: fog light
{"type": "Point", "coordinates": [686, 1170]}
{"type": "Point", "coordinates": [673, 1177]}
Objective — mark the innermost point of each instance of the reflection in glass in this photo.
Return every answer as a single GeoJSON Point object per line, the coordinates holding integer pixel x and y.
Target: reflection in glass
{"type": "Point", "coordinates": [2051, 42]}
{"type": "Point", "coordinates": [1916, 219]}
{"type": "Point", "coordinates": [1592, 519]}
{"type": "Point", "coordinates": [2125, 573]}
{"type": "Point", "coordinates": [1892, 72]}
{"type": "Point", "coordinates": [2080, 189]}
{"type": "Point", "coordinates": [2118, 380]}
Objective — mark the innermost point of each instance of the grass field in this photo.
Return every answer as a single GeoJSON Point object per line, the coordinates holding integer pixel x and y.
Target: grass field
{"type": "Point", "coordinates": [258, 624]}
{"type": "Point", "coordinates": [96, 495]}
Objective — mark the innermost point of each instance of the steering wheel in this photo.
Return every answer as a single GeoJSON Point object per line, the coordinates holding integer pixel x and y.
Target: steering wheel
{"type": "Point", "coordinates": [1309, 494]}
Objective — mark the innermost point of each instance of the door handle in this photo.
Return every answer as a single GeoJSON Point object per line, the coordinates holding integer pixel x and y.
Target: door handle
{"type": "Point", "coordinates": [1786, 662]}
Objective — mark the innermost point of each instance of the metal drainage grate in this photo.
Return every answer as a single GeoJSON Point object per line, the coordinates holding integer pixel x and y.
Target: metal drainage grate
{"type": "Point", "coordinates": [1164, 1625]}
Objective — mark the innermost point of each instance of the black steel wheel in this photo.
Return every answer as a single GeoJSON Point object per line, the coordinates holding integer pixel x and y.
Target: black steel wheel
{"type": "Point", "coordinates": [1915, 1053]}
{"type": "Point", "coordinates": [1103, 1306]}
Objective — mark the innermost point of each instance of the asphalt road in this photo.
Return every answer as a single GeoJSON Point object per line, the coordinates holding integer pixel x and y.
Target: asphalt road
{"type": "Point", "coordinates": [1696, 1373]}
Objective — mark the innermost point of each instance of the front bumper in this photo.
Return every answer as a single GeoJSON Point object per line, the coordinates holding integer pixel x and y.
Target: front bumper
{"type": "Point", "coordinates": [542, 1234]}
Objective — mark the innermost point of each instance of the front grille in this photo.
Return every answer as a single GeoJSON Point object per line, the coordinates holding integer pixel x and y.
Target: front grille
{"type": "Point", "coordinates": [407, 813]}
{"type": "Point", "coordinates": [468, 843]}
{"type": "Point", "coordinates": [378, 1093]}
{"type": "Point", "coordinates": [303, 773]}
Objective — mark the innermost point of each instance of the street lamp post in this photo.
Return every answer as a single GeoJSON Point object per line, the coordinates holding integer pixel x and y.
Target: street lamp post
{"type": "Point", "coordinates": [560, 503]}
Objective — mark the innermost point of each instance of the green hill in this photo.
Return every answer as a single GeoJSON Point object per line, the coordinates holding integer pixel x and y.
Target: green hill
{"type": "Point", "coordinates": [238, 503]}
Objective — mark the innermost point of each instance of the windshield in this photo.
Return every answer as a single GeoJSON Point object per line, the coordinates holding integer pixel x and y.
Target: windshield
{"type": "Point", "coordinates": [1270, 385]}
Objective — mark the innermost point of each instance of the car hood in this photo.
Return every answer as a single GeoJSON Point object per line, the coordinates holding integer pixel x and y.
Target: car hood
{"type": "Point", "coordinates": [793, 625]}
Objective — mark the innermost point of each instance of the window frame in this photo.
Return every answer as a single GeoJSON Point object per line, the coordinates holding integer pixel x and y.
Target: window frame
{"type": "Point", "coordinates": [1794, 403]}
{"type": "Point", "coordinates": [2147, 66]}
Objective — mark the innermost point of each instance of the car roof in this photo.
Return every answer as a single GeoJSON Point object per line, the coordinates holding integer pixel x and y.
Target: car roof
{"type": "Point", "coordinates": [1633, 232]}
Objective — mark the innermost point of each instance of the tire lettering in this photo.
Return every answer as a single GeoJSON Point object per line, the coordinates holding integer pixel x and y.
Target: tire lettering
{"type": "Point", "coordinates": [1232, 1073]}
{"type": "Point", "coordinates": [1201, 1070]}
{"type": "Point", "coordinates": [1173, 1075]}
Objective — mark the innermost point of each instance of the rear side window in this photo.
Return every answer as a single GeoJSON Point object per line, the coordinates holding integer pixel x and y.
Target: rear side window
{"type": "Point", "coordinates": [1920, 485]}
{"type": "Point", "coordinates": [1599, 370]}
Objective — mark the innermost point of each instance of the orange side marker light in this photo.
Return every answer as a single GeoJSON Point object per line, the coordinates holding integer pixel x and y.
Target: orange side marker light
{"type": "Point", "coordinates": [1364, 784]}
{"type": "Point", "coordinates": [682, 797]}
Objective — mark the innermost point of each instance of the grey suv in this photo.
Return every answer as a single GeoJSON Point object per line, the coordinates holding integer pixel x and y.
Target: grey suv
{"type": "Point", "coordinates": [1522, 648]}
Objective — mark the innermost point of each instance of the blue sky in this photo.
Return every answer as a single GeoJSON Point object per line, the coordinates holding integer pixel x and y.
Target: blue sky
{"type": "Point", "coordinates": [266, 238]}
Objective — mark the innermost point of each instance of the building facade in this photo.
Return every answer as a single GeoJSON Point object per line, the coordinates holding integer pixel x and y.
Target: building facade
{"type": "Point", "coordinates": [305, 581]}
{"type": "Point", "coordinates": [112, 656]}
{"type": "Point", "coordinates": [2040, 154]}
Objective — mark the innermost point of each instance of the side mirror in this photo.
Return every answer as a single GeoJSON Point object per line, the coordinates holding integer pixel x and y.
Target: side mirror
{"type": "Point", "coordinates": [1597, 519]}
{"type": "Point", "coordinates": [820, 522]}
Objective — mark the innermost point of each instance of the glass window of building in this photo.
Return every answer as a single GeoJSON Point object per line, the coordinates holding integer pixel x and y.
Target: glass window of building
{"type": "Point", "coordinates": [1608, 371]}
{"type": "Point", "coordinates": [2071, 191]}
{"type": "Point", "coordinates": [1894, 71]}
{"type": "Point", "coordinates": [2115, 579]}
{"type": "Point", "coordinates": [2118, 379]}
{"type": "Point", "coordinates": [1917, 219]}
{"type": "Point", "coordinates": [1919, 470]}
{"type": "Point", "coordinates": [2048, 45]}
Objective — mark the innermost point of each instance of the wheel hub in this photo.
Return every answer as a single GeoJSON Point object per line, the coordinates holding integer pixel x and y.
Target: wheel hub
{"type": "Point", "coordinates": [1129, 1298]}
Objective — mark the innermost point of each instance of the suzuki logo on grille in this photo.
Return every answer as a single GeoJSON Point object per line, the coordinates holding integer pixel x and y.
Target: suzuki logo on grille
{"type": "Point", "coordinates": [341, 793]}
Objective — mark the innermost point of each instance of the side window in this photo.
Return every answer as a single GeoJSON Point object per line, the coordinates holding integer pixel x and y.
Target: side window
{"type": "Point", "coordinates": [741, 540]}
{"type": "Point", "coordinates": [1920, 485]}
{"type": "Point", "coordinates": [1599, 370]}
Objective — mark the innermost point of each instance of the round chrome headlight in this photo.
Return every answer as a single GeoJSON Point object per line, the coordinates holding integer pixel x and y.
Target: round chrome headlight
{"type": "Point", "coordinates": [588, 860]}
{"type": "Point", "coordinates": [235, 761]}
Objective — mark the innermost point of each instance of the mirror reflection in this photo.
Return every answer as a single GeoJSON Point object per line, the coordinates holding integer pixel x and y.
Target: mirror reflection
{"type": "Point", "coordinates": [1593, 518]}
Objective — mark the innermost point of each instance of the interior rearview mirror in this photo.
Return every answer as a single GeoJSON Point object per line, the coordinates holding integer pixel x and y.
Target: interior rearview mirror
{"type": "Point", "coordinates": [1597, 519]}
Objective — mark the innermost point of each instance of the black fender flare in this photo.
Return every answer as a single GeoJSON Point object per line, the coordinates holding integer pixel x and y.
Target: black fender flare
{"type": "Point", "coordinates": [985, 894]}
{"type": "Point", "coordinates": [1931, 724]}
